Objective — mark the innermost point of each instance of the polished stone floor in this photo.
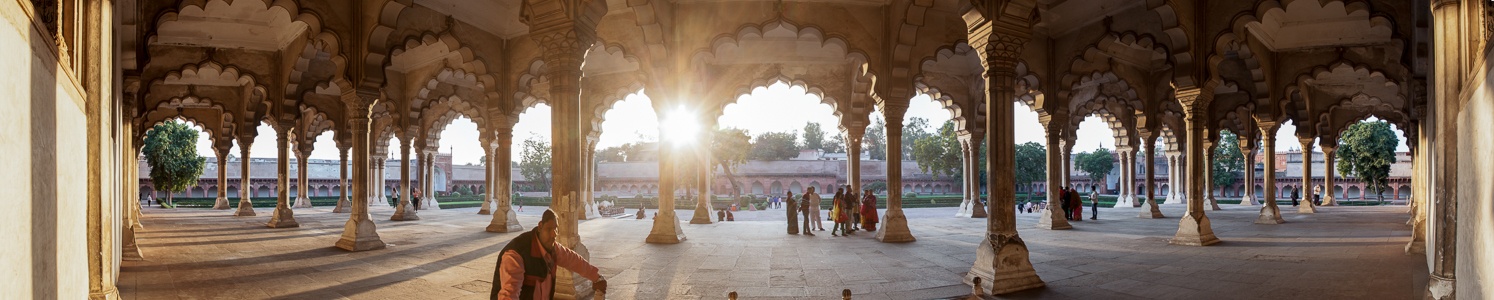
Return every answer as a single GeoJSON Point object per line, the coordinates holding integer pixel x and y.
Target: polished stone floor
{"type": "Point", "coordinates": [1339, 253]}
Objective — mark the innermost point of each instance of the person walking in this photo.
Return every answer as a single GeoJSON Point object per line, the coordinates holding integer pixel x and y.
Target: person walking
{"type": "Point", "coordinates": [526, 266]}
{"type": "Point", "coordinates": [1094, 203]}
{"type": "Point", "coordinates": [1295, 195]}
{"type": "Point", "coordinates": [837, 213]}
{"type": "Point", "coordinates": [804, 209]}
{"type": "Point", "coordinates": [793, 213]}
{"type": "Point", "coordinates": [1063, 202]}
{"type": "Point", "coordinates": [813, 199]}
{"type": "Point", "coordinates": [415, 193]}
{"type": "Point", "coordinates": [869, 211]}
{"type": "Point", "coordinates": [1317, 195]}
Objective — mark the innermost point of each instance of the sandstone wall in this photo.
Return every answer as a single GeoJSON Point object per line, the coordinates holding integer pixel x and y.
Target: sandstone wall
{"type": "Point", "coordinates": [1475, 193]}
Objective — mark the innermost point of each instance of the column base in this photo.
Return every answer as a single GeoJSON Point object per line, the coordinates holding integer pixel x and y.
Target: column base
{"type": "Point", "coordinates": [964, 211]}
{"type": "Point", "coordinates": [1194, 230]}
{"type": "Point", "coordinates": [359, 234]}
{"type": "Point", "coordinates": [894, 227]}
{"type": "Point", "coordinates": [1213, 203]}
{"type": "Point", "coordinates": [302, 202]}
{"type": "Point", "coordinates": [1416, 247]}
{"type": "Point", "coordinates": [221, 204]}
{"type": "Point", "coordinates": [1307, 208]}
{"type": "Point", "coordinates": [283, 217]}
{"type": "Point", "coordinates": [591, 211]}
{"type": "Point", "coordinates": [569, 285]}
{"type": "Point", "coordinates": [484, 210]}
{"type": "Point", "coordinates": [1439, 288]}
{"type": "Point", "coordinates": [977, 210]}
{"type": "Point", "coordinates": [1153, 213]}
{"type": "Point", "coordinates": [111, 294]}
{"type": "Point", "coordinates": [1270, 215]}
{"type": "Point", "coordinates": [342, 206]}
{"type": "Point", "coordinates": [1002, 260]}
{"type": "Point", "coordinates": [1248, 201]}
{"type": "Point", "coordinates": [246, 209]}
{"type": "Point", "coordinates": [128, 249]}
{"type": "Point", "coordinates": [1330, 201]}
{"type": "Point", "coordinates": [405, 213]}
{"type": "Point", "coordinates": [505, 220]}
{"type": "Point", "coordinates": [666, 229]}
{"type": "Point", "coordinates": [1053, 219]}
{"type": "Point", "coordinates": [702, 215]}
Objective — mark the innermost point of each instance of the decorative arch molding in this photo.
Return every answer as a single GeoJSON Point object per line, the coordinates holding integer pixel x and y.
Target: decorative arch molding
{"type": "Point", "coordinates": [533, 87]}
{"type": "Point", "coordinates": [302, 80]}
{"type": "Point", "coordinates": [1338, 117]}
{"type": "Point", "coordinates": [1272, 16]}
{"type": "Point", "coordinates": [284, 15]}
{"type": "Point", "coordinates": [1235, 60]}
{"type": "Point", "coordinates": [606, 100]}
{"type": "Point", "coordinates": [809, 88]}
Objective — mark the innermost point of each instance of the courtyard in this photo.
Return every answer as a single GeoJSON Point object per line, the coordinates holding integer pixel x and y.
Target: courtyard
{"type": "Point", "coordinates": [1340, 253]}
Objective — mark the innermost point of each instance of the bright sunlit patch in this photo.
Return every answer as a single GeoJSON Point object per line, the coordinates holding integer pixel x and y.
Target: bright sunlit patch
{"type": "Point", "coordinates": [681, 127]}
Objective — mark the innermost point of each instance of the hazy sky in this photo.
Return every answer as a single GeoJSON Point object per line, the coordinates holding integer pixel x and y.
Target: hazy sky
{"type": "Point", "coordinates": [774, 108]}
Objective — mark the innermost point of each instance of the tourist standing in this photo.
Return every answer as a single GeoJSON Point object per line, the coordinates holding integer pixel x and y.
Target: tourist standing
{"type": "Point", "coordinates": [1296, 194]}
{"type": "Point", "coordinates": [813, 199]}
{"type": "Point", "coordinates": [869, 211]}
{"type": "Point", "coordinates": [853, 206]}
{"type": "Point", "coordinates": [793, 213]}
{"type": "Point", "coordinates": [1094, 203]}
{"type": "Point", "coordinates": [1063, 202]}
{"type": "Point", "coordinates": [1317, 195]}
{"type": "Point", "coordinates": [512, 280]}
{"type": "Point", "coordinates": [415, 193]}
{"type": "Point", "coordinates": [838, 213]}
{"type": "Point", "coordinates": [804, 209]}
{"type": "Point", "coordinates": [1078, 202]}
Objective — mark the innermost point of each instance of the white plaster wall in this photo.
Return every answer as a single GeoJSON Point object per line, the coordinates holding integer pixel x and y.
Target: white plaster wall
{"type": "Point", "coordinates": [44, 144]}
{"type": "Point", "coordinates": [1476, 191]}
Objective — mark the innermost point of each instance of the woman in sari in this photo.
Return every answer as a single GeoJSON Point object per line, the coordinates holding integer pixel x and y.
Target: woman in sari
{"type": "Point", "coordinates": [869, 211]}
{"type": "Point", "coordinates": [838, 213]}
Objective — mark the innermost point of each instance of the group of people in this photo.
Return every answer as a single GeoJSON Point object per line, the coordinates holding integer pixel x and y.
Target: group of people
{"type": "Point", "coordinates": [850, 212]}
{"type": "Point", "coordinates": [1317, 196]}
{"type": "Point", "coordinates": [1073, 204]}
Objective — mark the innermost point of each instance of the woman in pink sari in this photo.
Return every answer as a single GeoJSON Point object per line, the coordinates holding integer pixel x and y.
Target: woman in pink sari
{"type": "Point", "coordinates": [869, 211]}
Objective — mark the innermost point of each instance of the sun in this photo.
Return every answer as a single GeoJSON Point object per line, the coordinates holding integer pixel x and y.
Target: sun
{"type": "Point", "coordinates": [681, 127]}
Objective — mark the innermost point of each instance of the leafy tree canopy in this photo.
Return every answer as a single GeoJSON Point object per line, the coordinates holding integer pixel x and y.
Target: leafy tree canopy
{"type": "Point", "coordinates": [171, 151]}
{"type": "Point", "coordinates": [1096, 163]}
{"type": "Point", "coordinates": [775, 146]}
{"type": "Point", "coordinates": [730, 148]}
{"type": "Point", "coordinates": [535, 162]}
{"type": "Point", "coordinates": [875, 141]}
{"type": "Point", "coordinates": [1030, 163]}
{"type": "Point", "coordinates": [939, 154]}
{"type": "Point", "coordinates": [1366, 151]}
{"type": "Point", "coordinates": [814, 136]}
{"type": "Point", "coordinates": [1228, 161]}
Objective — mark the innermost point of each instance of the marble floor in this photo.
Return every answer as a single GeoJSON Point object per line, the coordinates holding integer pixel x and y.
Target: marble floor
{"type": "Point", "coordinates": [1339, 253]}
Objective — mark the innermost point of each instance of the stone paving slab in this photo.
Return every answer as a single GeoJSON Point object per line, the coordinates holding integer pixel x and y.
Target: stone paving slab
{"type": "Point", "coordinates": [1339, 253]}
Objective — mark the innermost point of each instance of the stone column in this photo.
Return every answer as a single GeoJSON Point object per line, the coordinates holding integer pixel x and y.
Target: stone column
{"type": "Point", "coordinates": [1149, 142]}
{"type": "Point", "coordinates": [1053, 217]}
{"type": "Point", "coordinates": [428, 180]}
{"type": "Point", "coordinates": [222, 202]}
{"type": "Point", "coordinates": [342, 182]}
{"type": "Point", "coordinates": [504, 218]}
{"type": "Point", "coordinates": [853, 155]}
{"type": "Point", "coordinates": [405, 211]}
{"type": "Point", "coordinates": [703, 170]}
{"type": "Point", "coordinates": [1121, 192]}
{"type": "Point", "coordinates": [1194, 228]}
{"type": "Point", "coordinates": [488, 176]}
{"type": "Point", "coordinates": [283, 217]}
{"type": "Point", "coordinates": [894, 223]}
{"type": "Point", "coordinates": [1270, 213]}
{"type": "Point", "coordinates": [970, 159]}
{"type": "Point", "coordinates": [1417, 201]}
{"type": "Point", "coordinates": [1209, 171]}
{"type": "Point", "coordinates": [302, 182]}
{"type": "Point", "coordinates": [1002, 256]}
{"type": "Point", "coordinates": [246, 188]}
{"type": "Point", "coordinates": [1172, 179]}
{"type": "Point", "coordinates": [1307, 187]}
{"type": "Point", "coordinates": [590, 168]}
{"type": "Point", "coordinates": [1329, 158]}
{"type": "Point", "coordinates": [1068, 162]}
{"type": "Point", "coordinates": [1247, 147]}
{"type": "Point", "coordinates": [1450, 32]}
{"type": "Point", "coordinates": [666, 228]}
{"type": "Point", "coordinates": [359, 233]}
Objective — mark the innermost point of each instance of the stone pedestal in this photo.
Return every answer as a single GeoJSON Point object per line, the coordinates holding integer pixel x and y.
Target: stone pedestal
{"type": "Point", "coordinates": [894, 227]}
{"type": "Point", "coordinates": [486, 202]}
{"type": "Point", "coordinates": [359, 235]}
{"type": "Point", "coordinates": [342, 205]}
{"type": "Point", "coordinates": [1154, 212]}
{"type": "Point", "coordinates": [1194, 230]}
{"type": "Point", "coordinates": [1248, 200]}
{"type": "Point", "coordinates": [129, 250]}
{"type": "Point", "coordinates": [666, 228]}
{"type": "Point", "coordinates": [246, 209]}
{"type": "Point", "coordinates": [1002, 261]}
{"type": "Point", "coordinates": [1441, 288]}
{"type": "Point", "coordinates": [1270, 215]}
{"type": "Point", "coordinates": [977, 210]}
{"type": "Point", "coordinates": [1053, 218]}
{"type": "Point", "coordinates": [505, 220]}
{"type": "Point", "coordinates": [283, 217]}
{"type": "Point", "coordinates": [221, 203]}
{"type": "Point", "coordinates": [302, 202]}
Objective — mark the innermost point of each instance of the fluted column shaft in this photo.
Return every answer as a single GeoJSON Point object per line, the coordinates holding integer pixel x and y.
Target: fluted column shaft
{"type": "Point", "coordinates": [1053, 217]}
{"type": "Point", "coordinates": [283, 217]}
{"type": "Point", "coordinates": [1149, 142]}
{"type": "Point", "coordinates": [359, 233]}
{"type": "Point", "coordinates": [1270, 213]}
{"type": "Point", "coordinates": [1307, 206]}
{"type": "Point", "coordinates": [222, 201]}
{"type": "Point", "coordinates": [246, 186]}
{"type": "Point", "coordinates": [894, 222]}
{"type": "Point", "coordinates": [405, 211]}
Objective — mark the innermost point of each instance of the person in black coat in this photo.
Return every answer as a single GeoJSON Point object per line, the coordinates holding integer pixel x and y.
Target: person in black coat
{"type": "Point", "coordinates": [1066, 202]}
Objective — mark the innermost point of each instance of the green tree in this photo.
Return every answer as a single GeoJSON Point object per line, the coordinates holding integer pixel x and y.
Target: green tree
{"type": "Point", "coordinates": [171, 152]}
{"type": "Point", "coordinates": [535, 162]}
{"type": "Point", "coordinates": [729, 149]}
{"type": "Point", "coordinates": [482, 160]}
{"type": "Point", "coordinates": [814, 137]}
{"type": "Point", "coordinates": [916, 128]}
{"type": "Point", "coordinates": [1030, 164]}
{"type": "Point", "coordinates": [1366, 151]}
{"type": "Point", "coordinates": [875, 187]}
{"type": "Point", "coordinates": [836, 144]}
{"type": "Point", "coordinates": [612, 154]}
{"type": "Point", "coordinates": [1228, 161]}
{"type": "Point", "coordinates": [939, 154]}
{"type": "Point", "coordinates": [875, 140]}
{"type": "Point", "coordinates": [775, 146]}
{"type": "Point", "coordinates": [1096, 164]}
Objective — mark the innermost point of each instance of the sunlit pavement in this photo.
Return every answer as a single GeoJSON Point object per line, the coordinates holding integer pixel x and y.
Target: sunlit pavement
{"type": "Point", "coordinates": [1339, 253]}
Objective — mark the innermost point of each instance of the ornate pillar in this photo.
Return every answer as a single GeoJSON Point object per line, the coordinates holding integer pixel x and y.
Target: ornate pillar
{"type": "Point", "coordinates": [854, 134]}
{"type": "Point", "coordinates": [894, 222]}
{"type": "Point", "coordinates": [302, 183]}
{"type": "Point", "coordinates": [1247, 147]}
{"type": "Point", "coordinates": [359, 233]}
{"type": "Point", "coordinates": [970, 157]}
{"type": "Point", "coordinates": [1173, 178]}
{"type": "Point", "coordinates": [405, 211]}
{"type": "Point", "coordinates": [504, 218]}
{"type": "Point", "coordinates": [1329, 158]}
{"type": "Point", "coordinates": [1122, 191]}
{"type": "Point", "coordinates": [1270, 213]}
{"type": "Point", "coordinates": [1450, 33]}
{"type": "Point", "coordinates": [1307, 187]}
{"type": "Point", "coordinates": [1209, 146]}
{"type": "Point", "coordinates": [1002, 256]}
{"type": "Point", "coordinates": [488, 175]}
{"type": "Point", "coordinates": [1149, 142]}
{"type": "Point", "coordinates": [666, 228]}
{"type": "Point", "coordinates": [589, 169]}
{"type": "Point", "coordinates": [1053, 217]}
{"type": "Point", "coordinates": [703, 173]}
{"type": "Point", "coordinates": [1417, 201]}
{"type": "Point", "coordinates": [342, 182]}
{"type": "Point", "coordinates": [283, 217]}
{"type": "Point", "coordinates": [428, 183]}
{"type": "Point", "coordinates": [1194, 228]}
{"type": "Point", "coordinates": [222, 202]}
{"type": "Point", "coordinates": [1068, 160]}
{"type": "Point", "coordinates": [246, 188]}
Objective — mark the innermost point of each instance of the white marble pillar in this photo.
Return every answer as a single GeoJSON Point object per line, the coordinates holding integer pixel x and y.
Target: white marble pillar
{"type": "Point", "coordinates": [359, 233]}
{"type": "Point", "coordinates": [246, 185]}
{"type": "Point", "coordinates": [282, 217]}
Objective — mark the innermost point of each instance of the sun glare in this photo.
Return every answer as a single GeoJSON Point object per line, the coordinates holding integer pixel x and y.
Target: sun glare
{"type": "Point", "coordinates": [681, 127]}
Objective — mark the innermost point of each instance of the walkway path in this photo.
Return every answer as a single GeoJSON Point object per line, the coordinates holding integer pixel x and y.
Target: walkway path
{"type": "Point", "coordinates": [1340, 253]}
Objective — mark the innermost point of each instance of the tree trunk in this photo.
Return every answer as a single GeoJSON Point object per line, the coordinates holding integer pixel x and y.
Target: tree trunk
{"type": "Point", "coordinates": [170, 196]}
